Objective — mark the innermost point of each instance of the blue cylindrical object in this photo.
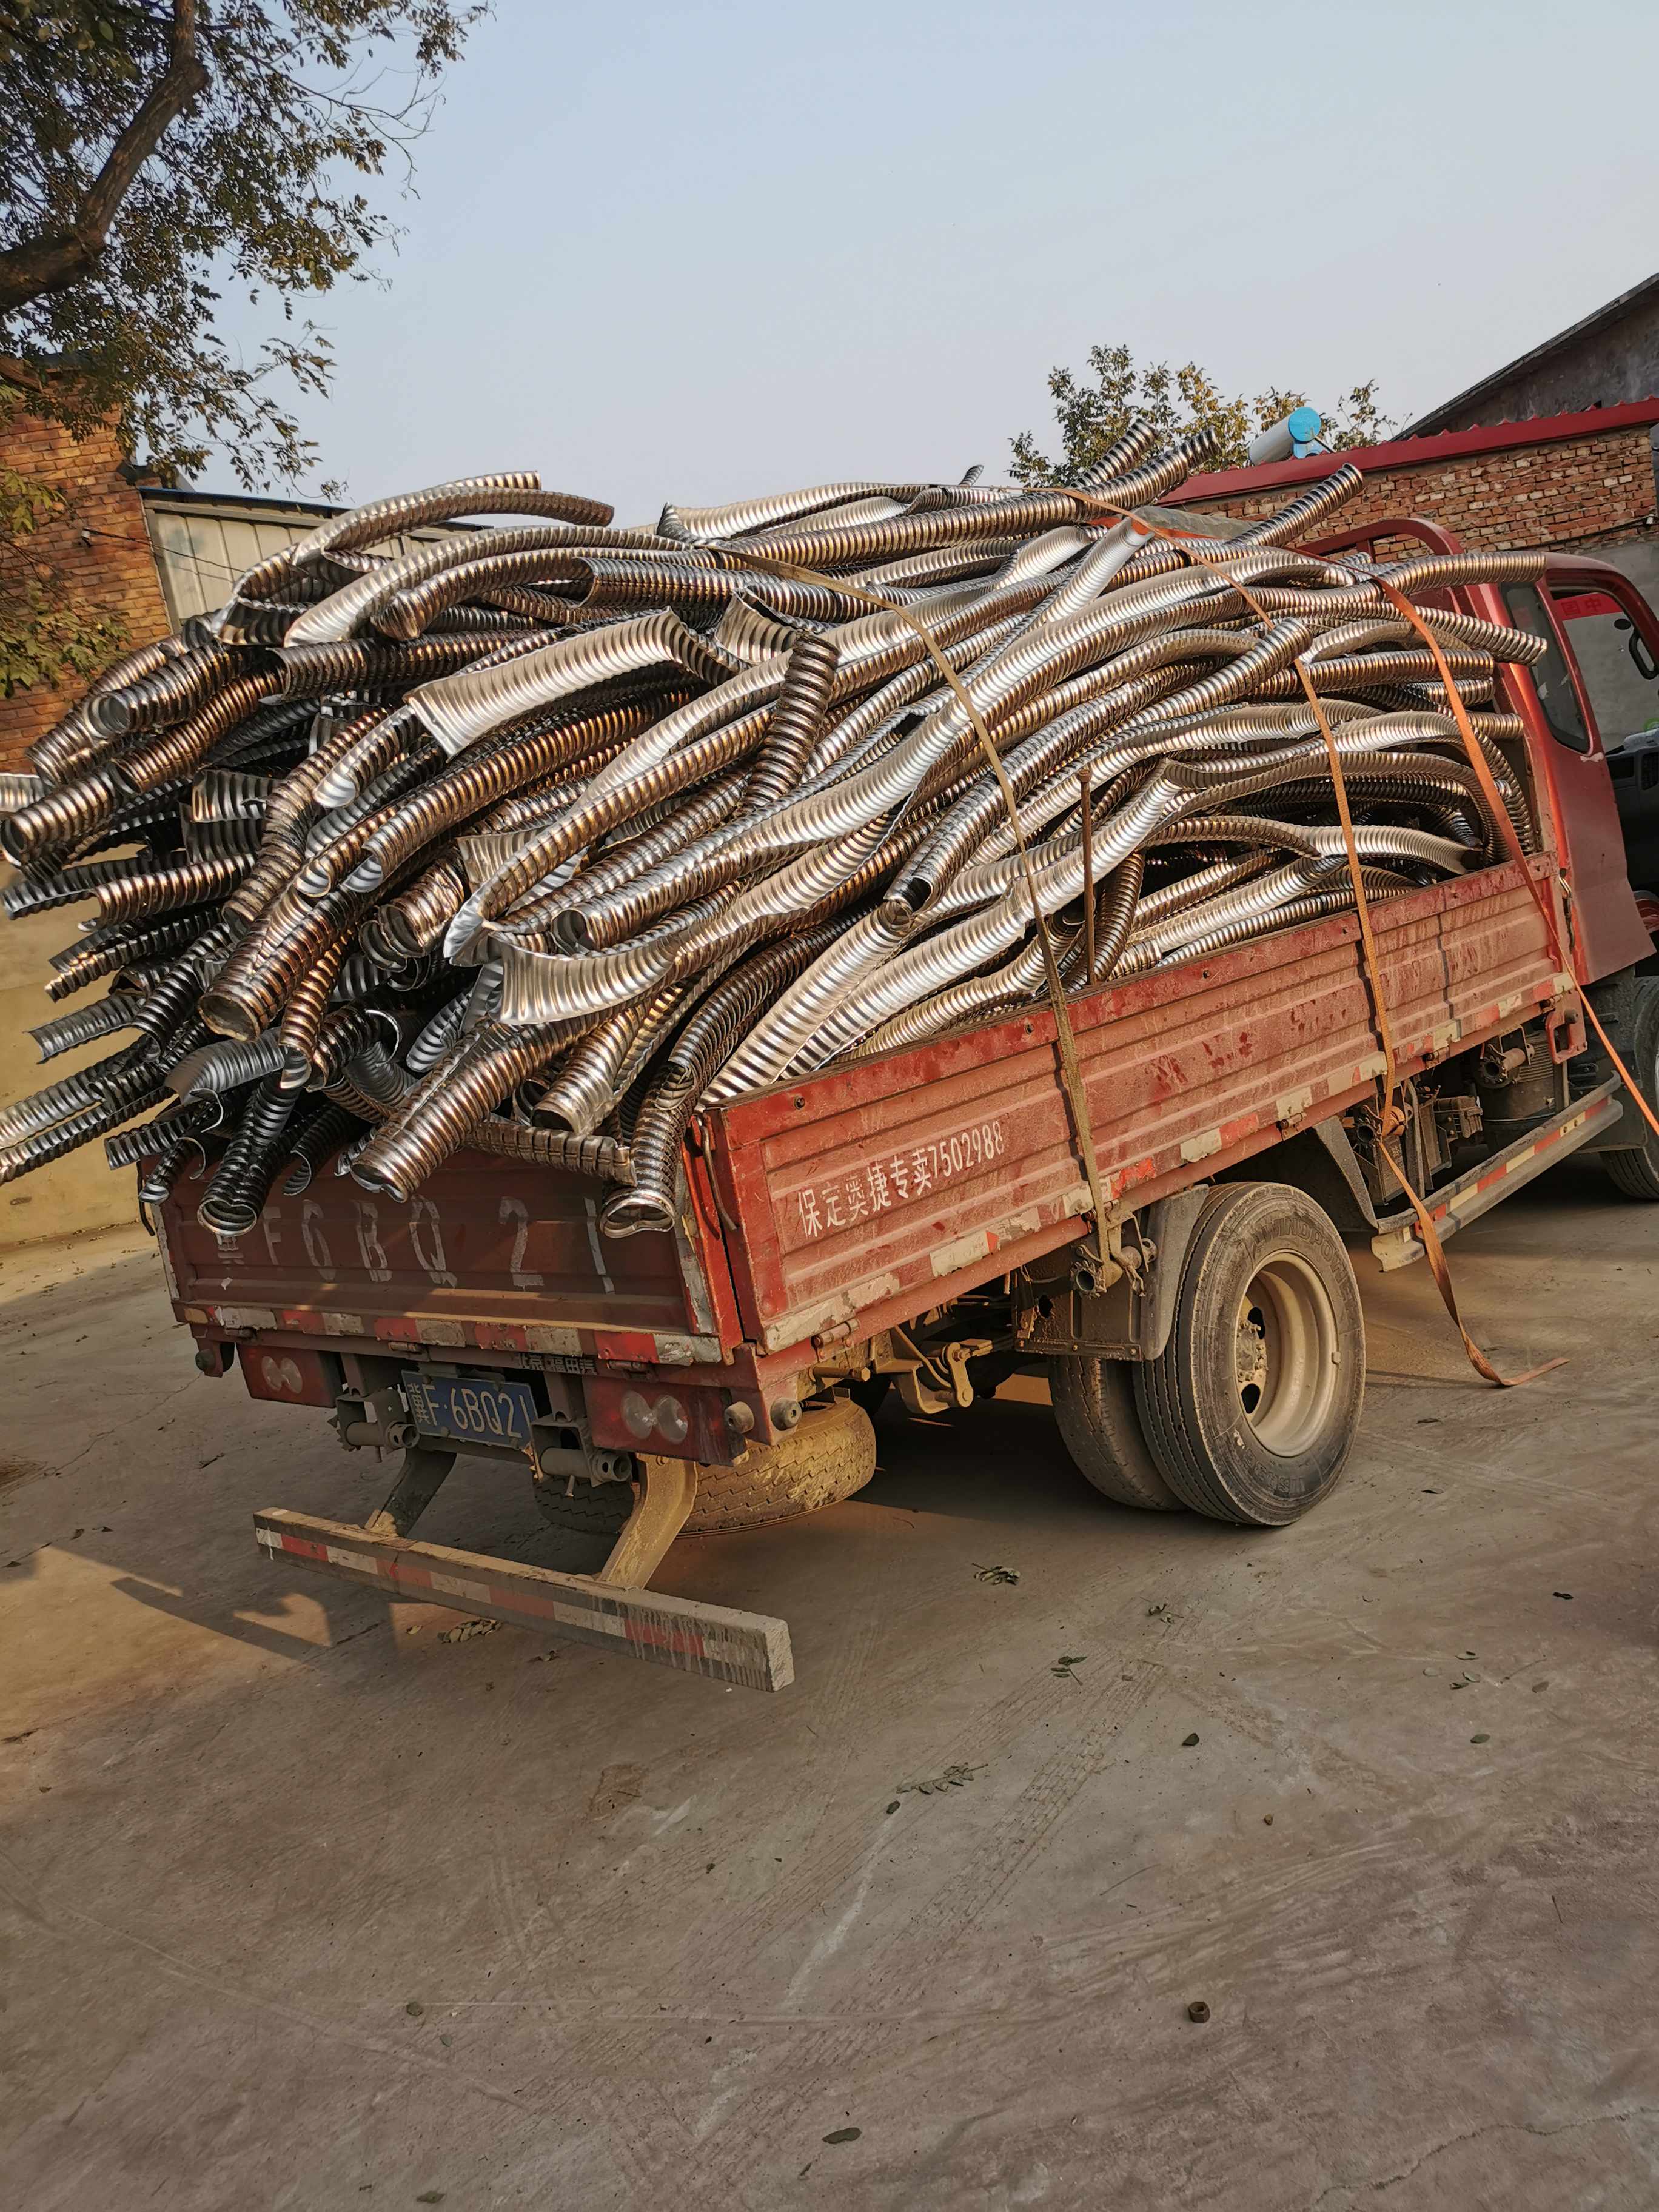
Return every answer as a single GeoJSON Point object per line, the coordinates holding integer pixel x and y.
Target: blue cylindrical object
{"type": "Point", "coordinates": [1294, 434]}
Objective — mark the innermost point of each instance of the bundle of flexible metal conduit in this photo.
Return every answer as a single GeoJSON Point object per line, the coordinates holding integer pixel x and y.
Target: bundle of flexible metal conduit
{"type": "Point", "coordinates": [542, 836]}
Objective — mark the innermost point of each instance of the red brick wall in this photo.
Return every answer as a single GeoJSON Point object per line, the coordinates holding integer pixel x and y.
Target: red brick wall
{"type": "Point", "coordinates": [112, 573]}
{"type": "Point", "coordinates": [1585, 491]}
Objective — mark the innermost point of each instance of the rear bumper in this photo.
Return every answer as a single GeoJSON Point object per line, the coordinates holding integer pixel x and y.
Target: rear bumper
{"type": "Point", "coordinates": [750, 1649]}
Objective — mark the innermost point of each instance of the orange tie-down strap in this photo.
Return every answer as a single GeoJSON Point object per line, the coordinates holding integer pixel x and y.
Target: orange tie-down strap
{"type": "Point", "coordinates": [1071, 1073]}
{"type": "Point", "coordinates": [1390, 1117]}
{"type": "Point", "coordinates": [1489, 792]}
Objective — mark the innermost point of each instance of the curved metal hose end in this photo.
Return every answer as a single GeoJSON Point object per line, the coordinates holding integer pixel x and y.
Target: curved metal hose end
{"type": "Point", "coordinates": [637, 1213]}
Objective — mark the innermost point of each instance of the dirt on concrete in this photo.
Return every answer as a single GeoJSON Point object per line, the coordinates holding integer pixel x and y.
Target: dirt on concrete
{"type": "Point", "coordinates": [306, 1908]}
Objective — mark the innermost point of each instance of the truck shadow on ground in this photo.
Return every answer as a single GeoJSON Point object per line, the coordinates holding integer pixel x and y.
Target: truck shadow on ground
{"type": "Point", "coordinates": [999, 1470]}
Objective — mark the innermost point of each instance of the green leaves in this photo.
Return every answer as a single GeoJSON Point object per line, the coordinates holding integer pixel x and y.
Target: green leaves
{"type": "Point", "coordinates": [254, 182]}
{"type": "Point", "coordinates": [41, 639]}
{"type": "Point", "coordinates": [1092, 414]}
{"type": "Point", "coordinates": [117, 234]}
{"type": "Point", "coordinates": [26, 502]}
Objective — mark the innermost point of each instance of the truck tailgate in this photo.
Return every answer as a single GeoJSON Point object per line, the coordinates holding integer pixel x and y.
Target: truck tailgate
{"type": "Point", "coordinates": [493, 1253]}
{"type": "Point", "coordinates": [864, 1197]}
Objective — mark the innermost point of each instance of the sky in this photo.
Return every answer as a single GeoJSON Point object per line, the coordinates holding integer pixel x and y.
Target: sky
{"type": "Point", "coordinates": [698, 251]}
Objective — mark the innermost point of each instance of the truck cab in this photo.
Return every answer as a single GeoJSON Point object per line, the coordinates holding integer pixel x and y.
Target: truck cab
{"type": "Point", "coordinates": [1608, 639]}
{"type": "Point", "coordinates": [1595, 688]}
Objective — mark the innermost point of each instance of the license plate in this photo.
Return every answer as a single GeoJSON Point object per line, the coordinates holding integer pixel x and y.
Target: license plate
{"type": "Point", "coordinates": [470, 1412]}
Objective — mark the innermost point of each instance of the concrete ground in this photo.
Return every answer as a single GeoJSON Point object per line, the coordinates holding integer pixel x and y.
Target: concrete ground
{"type": "Point", "coordinates": [306, 1907]}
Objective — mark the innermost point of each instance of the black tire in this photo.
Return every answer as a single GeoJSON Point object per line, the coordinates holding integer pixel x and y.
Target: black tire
{"type": "Point", "coordinates": [829, 1457]}
{"type": "Point", "coordinates": [1251, 1408]}
{"type": "Point", "coordinates": [582, 1527]}
{"type": "Point", "coordinates": [1094, 1404]}
{"type": "Point", "coordinates": [1636, 1174]}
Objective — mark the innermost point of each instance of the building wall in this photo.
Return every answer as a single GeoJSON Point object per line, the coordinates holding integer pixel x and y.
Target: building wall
{"type": "Point", "coordinates": [112, 571]}
{"type": "Point", "coordinates": [77, 1193]}
{"type": "Point", "coordinates": [1582, 492]}
{"type": "Point", "coordinates": [97, 554]}
{"type": "Point", "coordinates": [200, 548]}
{"type": "Point", "coordinates": [203, 544]}
{"type": "Point", "coordinates": [1602, 367]}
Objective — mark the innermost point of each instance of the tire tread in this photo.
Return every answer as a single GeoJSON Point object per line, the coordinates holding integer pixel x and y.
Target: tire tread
{"type": "Point", "coordinates": [1172, 1417]}
{"type": "Point", "coordinates": [1094, 1408]}
{"type": "Point", "coordinates": [1636, 1174]}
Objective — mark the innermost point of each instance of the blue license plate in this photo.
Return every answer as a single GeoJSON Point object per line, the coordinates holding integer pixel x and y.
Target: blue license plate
{"type": "Point", "coordinates": [468, 1411]}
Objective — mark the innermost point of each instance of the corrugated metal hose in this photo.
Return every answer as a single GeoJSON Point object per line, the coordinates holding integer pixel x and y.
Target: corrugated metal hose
{"type": "Point", "coordinates": [543, 835]}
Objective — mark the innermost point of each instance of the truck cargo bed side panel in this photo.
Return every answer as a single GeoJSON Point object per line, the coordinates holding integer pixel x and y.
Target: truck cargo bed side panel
{"type": "Point", "coordinates": [886, 1187]}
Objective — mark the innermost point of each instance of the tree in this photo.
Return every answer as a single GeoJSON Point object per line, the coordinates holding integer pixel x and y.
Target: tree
{"type": "Point", "coordinates": [153, 153]}
{"type": "Point", "coordinates": [1179, 401]}
{"type": "Point", "coordinates": [41, 639]}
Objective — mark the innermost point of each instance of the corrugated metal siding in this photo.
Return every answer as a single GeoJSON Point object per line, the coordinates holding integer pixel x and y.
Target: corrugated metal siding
{"type": "Point", "coordinates": [200, 551]}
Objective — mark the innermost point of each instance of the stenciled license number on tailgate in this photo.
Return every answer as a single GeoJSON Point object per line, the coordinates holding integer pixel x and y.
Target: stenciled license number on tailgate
{"type": "Point", "coordinates": [894, 1178]}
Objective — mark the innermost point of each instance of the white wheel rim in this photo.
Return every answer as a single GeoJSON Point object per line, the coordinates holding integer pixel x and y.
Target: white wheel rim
{"type": "Point", "coordinates": [1287, 1355]}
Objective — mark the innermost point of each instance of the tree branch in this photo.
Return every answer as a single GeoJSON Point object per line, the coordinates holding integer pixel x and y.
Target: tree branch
{"type": "Point", "coordinates": [55, 259]}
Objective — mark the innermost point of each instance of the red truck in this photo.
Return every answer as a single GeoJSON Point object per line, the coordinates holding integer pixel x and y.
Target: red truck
{"type": "Point", "coordinates": [916, 1221]}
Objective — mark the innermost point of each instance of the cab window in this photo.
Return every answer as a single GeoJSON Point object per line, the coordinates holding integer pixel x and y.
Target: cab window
{"type": "Point", "coordinates": [1552, 678]}
{"type": "Point", "coordinates": [1616, 664]}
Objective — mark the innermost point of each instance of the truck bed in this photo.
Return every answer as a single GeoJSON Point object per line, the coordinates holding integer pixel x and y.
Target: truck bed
{"type": "Point", "coordinates": [843, 1206]}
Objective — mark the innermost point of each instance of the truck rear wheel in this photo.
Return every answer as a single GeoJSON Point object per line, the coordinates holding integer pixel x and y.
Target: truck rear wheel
{"type": "Point", "coordinates": [829, 1457]}
{"type": "Point", "coordinates": [1251, 1408]}
{"type": "Point", "coordinates": [1095, 1411]}
{"type": "Point", "coordinates": [1636, 1174]}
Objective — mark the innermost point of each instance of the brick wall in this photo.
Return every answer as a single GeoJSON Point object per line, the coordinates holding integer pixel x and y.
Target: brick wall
{"type": "Point", "coordinates": [111, 572]}
{"type": "Point", "coordinates": [1593, 490]}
